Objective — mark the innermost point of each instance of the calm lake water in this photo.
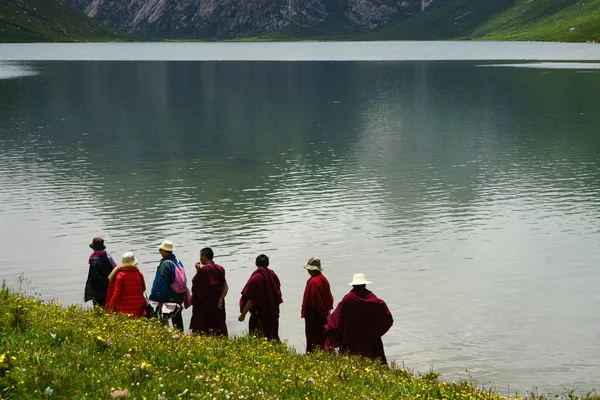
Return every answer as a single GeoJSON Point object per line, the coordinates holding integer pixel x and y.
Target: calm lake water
{"type": "Point", "coordinates": [465, 187]}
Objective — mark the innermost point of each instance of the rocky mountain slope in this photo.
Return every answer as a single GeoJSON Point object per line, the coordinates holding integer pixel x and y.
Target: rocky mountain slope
{"type": "Point", "coordinates": [236, 18]}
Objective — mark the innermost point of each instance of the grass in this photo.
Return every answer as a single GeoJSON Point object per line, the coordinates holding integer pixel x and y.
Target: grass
{"type": "Point", "coordinates": [545, 20]}
{"type": "Point", "coordinates": [51, 21]}
{"type": "Point", "coordinates": [539, 20]}
{"type": "Point", "coordinates": [71, 353]}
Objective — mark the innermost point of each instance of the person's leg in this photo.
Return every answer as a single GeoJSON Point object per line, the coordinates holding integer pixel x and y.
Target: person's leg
{"type": "Point", "coordinates": [274, 329]}
{"type": "Point", "coordinates": [178, 321]}
{"type": "Point", "coordinates": [315, 331]}
{"type": "Point", "coordinates": [254, 327]}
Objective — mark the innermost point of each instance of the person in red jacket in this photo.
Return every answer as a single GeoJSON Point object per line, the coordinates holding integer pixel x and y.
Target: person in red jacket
{"type": "Point", "coordinates": [317, 304]}
{"type": "Point", "coordinates": [126, 288]}
{"type": "Point", "coordinates": [359, 321]}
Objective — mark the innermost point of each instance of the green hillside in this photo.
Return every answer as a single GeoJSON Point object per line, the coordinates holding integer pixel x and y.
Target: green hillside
{"type": "Point", "coordinates": [50, 21]}
{"type": "Point", "coordinates": [543, 20]}
{"type": "Point", "coordinates": [546, 20]}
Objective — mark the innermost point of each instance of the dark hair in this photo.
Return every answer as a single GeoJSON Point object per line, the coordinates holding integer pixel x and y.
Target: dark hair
{"type": "Point", "coordinates": [207, 251]}
{"type": "Point", "coordinates": [262, 261]}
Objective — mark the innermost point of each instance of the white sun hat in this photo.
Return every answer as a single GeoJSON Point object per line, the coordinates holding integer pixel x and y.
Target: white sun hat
{"type": "Point", "coordinates": [359, 279]}
{"type": "Point", "coordinates": [167, 245]}
{"type": "Point", "coordinates": [129, 259]}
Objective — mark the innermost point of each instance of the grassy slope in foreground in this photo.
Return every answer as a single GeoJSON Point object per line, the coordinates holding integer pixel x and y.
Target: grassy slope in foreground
{"type": "Point", "coordinates": [77, 354]}
{"type": "Point", "coordinates": [50, 21]}
{"type": "Point", "coordinates": [543, 20]}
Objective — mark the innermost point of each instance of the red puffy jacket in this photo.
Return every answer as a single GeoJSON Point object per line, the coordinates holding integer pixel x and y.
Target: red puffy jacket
{"type": "Point", "coordinates": [125, 292]}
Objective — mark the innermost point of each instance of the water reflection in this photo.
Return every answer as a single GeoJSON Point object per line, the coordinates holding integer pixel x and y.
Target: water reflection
{"type": "Point", "coordinates": [468, 195]}
{"type": "Point", "coordinates": [10, 70]}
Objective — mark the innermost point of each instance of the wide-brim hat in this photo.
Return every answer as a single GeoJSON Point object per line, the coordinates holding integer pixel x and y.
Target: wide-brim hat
{"type": "Point", "coordinates": [313, 264]}
{"type": "Point", "coordinates": [129, 259]}
{"type": "Point", "coordinates": [359, 279]}
{"type": "Point", "coordinates": [167, 245]}
{"type": "Point", "coordinates": [97, 244]}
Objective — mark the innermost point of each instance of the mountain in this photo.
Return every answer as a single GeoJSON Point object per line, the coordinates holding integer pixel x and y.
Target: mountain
{"type": "Point", "coordinates": [50, 20]}
{"type": "Point", "coordinates": [545, 20]}
{"type": "Point", "coordinates": [236, 18]}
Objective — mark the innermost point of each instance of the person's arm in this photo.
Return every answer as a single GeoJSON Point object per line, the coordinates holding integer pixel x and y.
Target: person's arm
{"type": "Point", "coordinates": [247, 308]}
{"type": "Point", "coordinates": [109, 294]}
{"type": "Point", "coordinates": [115, 300]}
{"type": "Point", "coordinates": [223, 294]}
{"type": "Point", "coordinates": [161, 283]}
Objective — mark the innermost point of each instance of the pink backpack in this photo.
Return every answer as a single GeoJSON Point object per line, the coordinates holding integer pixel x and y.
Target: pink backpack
{"type": "Point", "coordinates": [179, 284]}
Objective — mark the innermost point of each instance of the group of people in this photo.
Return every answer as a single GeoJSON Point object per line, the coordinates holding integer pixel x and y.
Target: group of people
{"type": "Point", "coordinates": [356, 326]}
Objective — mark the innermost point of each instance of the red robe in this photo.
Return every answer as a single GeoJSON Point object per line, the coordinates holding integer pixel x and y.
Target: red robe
{"type": "Point", "coordinates": [264, 289]}
{"type": "Point", "coordinates": [207, 286]}
{"type": "Point", "coordinates": [317, 303]}
{"type": "Point", "coordinates": [358, 323]}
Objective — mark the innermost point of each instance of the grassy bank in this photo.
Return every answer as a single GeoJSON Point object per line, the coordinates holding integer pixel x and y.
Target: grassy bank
{"type": "Point", "coordinates": [69, 353]}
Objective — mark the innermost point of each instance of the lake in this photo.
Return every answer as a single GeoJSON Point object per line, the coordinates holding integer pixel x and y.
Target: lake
{"type": "Point", "coordinates": [465, 186]}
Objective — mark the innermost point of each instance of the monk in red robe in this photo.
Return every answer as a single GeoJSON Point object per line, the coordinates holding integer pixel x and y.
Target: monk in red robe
{"type": "Point", "coordinates": [359, 321]}
{"type": "Point", "coordinates": [317, 304]}
{"type": "Point", "coordinates": [261, 297]}
{"type": "Point", "coordinates": [209, 289]}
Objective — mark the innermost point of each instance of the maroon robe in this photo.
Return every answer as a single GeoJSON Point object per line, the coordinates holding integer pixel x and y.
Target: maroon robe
{"type": "Point", "coordinates": [317, 303]}
{"type": "Point", "coordinates": [207, 286]}
{"type": "Point", "coordinates": [264, 289]}
{"type": "Point", "coordinates": [358, 323]}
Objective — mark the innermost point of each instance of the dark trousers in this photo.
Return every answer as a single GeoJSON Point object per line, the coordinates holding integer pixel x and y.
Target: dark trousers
{"type": "Point", "coordinates": [314, 327]}
{"type": "Point", "coordinates": [176, 318]}
{"type": "Point", "coordinates": [178, 321]}
{"type": "Point", "coordinates": [264, 326]}
{"type": "Point", "coordinates": [371, 349]}
{"type": "Point", "coordinates": [100, 302]}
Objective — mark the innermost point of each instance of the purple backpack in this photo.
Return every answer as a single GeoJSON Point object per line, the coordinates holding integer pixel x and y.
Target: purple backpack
{"type": "Point", "coordinates": [179, 284]}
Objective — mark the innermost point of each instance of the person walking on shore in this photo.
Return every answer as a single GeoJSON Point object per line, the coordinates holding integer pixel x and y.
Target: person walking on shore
{"type": "Point", "coordinates": [317, 304]}
{"type": "Point", "coordinates": [359, 321]}
{"type": "Point", "coordinates": [126, 288]}
{"type": "Point", "coordinates": [101, 264]}
{"type": "Point", "coordinates": [162, 292]}
{"type": "Point", "coordinates": [209, 288]}
{"type": "Point", "coordinates": [261, 297]}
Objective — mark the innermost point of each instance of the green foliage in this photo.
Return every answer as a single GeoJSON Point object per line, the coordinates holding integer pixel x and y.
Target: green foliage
{"type": "Point", "coordinates": [71, 353]}
{"type": "Point", "coordinates": [540, 20]}
{"type": "Point", "coordinates": [545, 20]}
{"type": "Point", "coordinates": [50, 21]}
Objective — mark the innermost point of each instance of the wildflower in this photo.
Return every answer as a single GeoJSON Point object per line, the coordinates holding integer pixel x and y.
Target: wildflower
{"type": "Point", "coordinates": [311, 380]}
{"type": "Point", "coordinates": [175, 336]}
{"type": "Point", "coordinates": [127, 355]}
{"type": "Point", "coordinates": [49, 391]}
